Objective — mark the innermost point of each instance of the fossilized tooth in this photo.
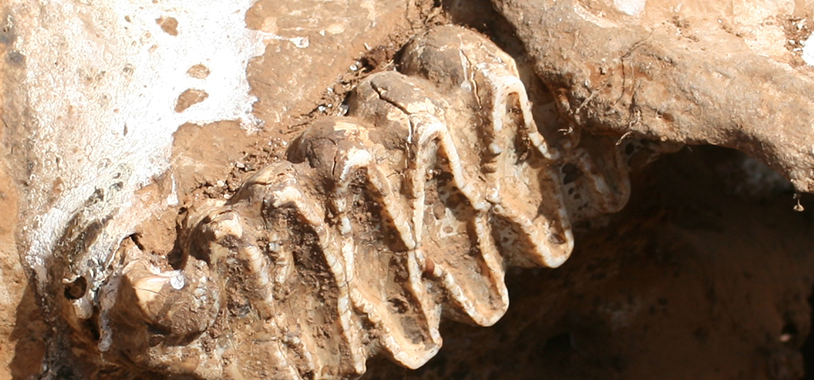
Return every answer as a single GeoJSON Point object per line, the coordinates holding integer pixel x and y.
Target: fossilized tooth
{"type": "Point", "coordinates": [392, 225]}
{"type": "Point", "coordinates": [309, 300]}
{"type": "Point", "coordinates": [368, 231]}
{"type": "Point", "coordinates": [596, 174]}
{"type": "Point", "coordinates": [518, 163]}
{"type": "Point", "coordinates": [157, 318]}
{"type": "Point", "coordinates": [486, 79]}
{"type": "Point", "coordinates": [594, 171]}
{"type": "Point", "coordinates": [378, 225]}
{"type": "Point", "coordinates": [480, 75]}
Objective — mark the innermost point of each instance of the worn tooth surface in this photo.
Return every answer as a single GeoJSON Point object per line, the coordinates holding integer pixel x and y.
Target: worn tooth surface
{"type": "Point", "coordinates": [378, 225]}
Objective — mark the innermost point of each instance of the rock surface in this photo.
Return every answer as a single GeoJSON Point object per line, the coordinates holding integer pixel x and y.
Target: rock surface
{"type": "Point", "coordinates": [117, 119]}
{"type": "Point", "coordinates": [724, 73]}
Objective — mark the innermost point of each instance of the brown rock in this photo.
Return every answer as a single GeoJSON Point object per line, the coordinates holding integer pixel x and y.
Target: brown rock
{"type": "Point", "coordinates": [658, 76]}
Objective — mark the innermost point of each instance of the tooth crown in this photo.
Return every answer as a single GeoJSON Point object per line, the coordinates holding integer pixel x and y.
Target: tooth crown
{"type": "Point", "coordinates": [380, 224]}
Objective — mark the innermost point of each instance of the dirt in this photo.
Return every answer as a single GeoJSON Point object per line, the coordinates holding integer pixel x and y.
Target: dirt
{"type": "Point", "coordinates": [168, 25]}
{"type": "Point", "coordinates": [189, 98]}
{"type": "Point", "coordinates": [22, 332]}
{"type": "Point", "coordinates": [287, 74]}
{"type": "Point", "coordinates": [706, 274]}
{"type": "Point", "coordinates": [797, 30]}
{"type": "Point", "coordinates": [294, 86]}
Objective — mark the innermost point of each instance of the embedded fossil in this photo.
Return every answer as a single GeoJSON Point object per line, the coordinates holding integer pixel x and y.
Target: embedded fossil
{"type": "Point", "coordinates": [381, 223]}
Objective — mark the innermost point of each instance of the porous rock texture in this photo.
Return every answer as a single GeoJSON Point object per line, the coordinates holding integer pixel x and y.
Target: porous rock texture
{"type": "Point", "coordinates": [675, 70]}
{"type": "Point", "coordinates": [116, 171]}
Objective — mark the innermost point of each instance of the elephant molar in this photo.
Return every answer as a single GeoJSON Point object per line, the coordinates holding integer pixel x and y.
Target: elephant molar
{"type": "Point", "coordinates": [377, 226]}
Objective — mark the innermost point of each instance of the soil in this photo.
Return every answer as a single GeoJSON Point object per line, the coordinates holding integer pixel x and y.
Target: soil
{"type": "Point", "coordinates": [22, 331]}
{"type": "Point", "coordinates": [706, 274]}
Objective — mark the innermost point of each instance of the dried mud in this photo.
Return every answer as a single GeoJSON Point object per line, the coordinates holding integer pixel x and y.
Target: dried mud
{"type": "Point", "coordinates": [706, 274]}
